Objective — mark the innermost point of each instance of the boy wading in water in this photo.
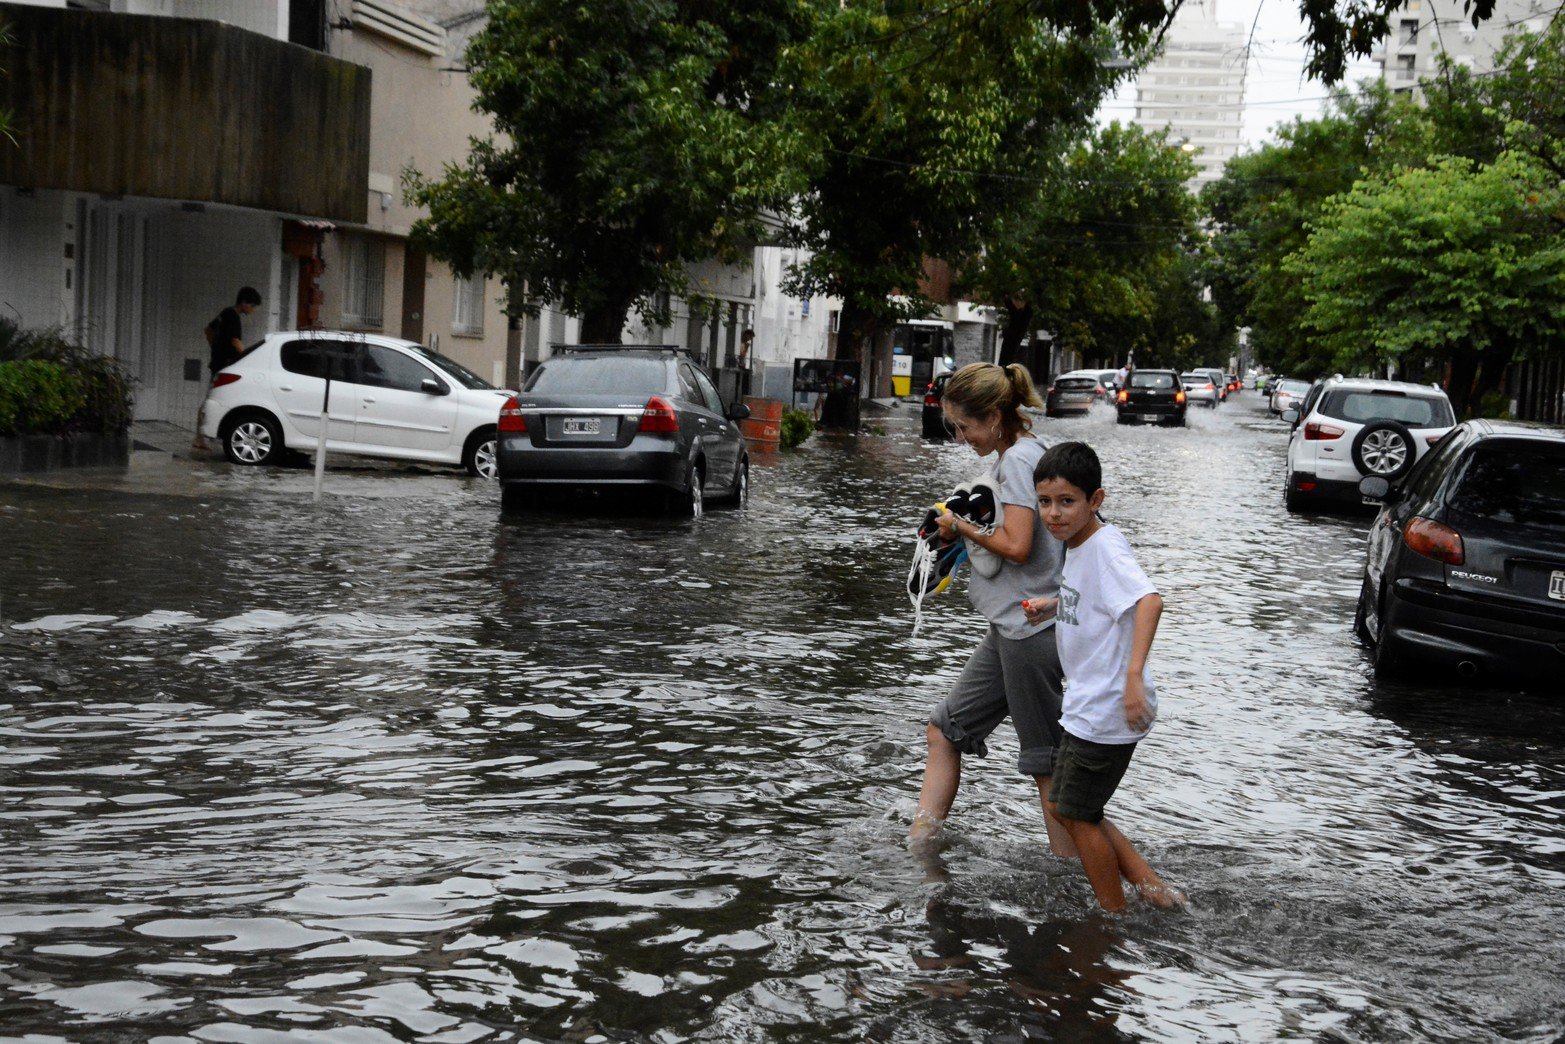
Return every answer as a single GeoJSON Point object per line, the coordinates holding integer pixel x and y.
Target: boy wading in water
{"type": "Point", "coordinates": [1105, 618]}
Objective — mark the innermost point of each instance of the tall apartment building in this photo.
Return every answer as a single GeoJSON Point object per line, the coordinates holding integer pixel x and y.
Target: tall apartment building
{"type": "Point", "coordinates": [1422, 30]}
{"type": "Point", "coordinates": [1195, 89]}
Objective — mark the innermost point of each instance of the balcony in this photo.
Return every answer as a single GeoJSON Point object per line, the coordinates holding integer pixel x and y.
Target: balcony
{"type": "Point", "coordinates": [176, 108]}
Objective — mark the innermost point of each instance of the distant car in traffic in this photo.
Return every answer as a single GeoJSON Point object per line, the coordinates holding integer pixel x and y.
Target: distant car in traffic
{"type": "Point", "coordinates": [1219, 380]}
{"type": "Point", "coordinates": [1284, 392]}
{"type": "Point", "coordinates": [1151, 397]}
{"type": "Point", "coordinates": [1199, 389]}
{"type": "Point", "coordinates": [934, 418]}
{"type": "Point", "coordinates": [1075, 393]}
{"type": "Point", "coordinates": [390, 398]}
{"type": "Point", "coordinates": [1356, 427]}
{"type": "Point", "coordinates": [1464, 572]}
{"type": "Point", "coordinates": [626, 417]}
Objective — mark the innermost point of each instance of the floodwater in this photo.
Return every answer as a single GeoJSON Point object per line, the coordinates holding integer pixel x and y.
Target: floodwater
{"type": "Point", "coordinates": [396, 768]}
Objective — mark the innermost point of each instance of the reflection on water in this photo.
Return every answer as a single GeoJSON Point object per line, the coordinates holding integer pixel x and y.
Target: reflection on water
{"type": "Point", "coordinates": [400, 768]}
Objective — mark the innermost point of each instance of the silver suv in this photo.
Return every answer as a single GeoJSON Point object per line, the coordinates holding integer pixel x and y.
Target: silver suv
{"type": "Point", "coordinates": [1356, 427]}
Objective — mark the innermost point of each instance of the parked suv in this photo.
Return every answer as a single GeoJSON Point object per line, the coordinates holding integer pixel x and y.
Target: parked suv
{"type": "Point", "coordinates": [389, 398]}
{"type": "Point", "coordinates": [1465, 567]}
{"type": "Point", "coordinates": [623, 417]}
{"type": "Point", "coordinates": [1353, 427]}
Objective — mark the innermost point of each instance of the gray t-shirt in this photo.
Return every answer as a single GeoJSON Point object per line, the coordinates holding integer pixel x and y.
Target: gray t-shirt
{"type": "Point", "coordinates": [999, 598]}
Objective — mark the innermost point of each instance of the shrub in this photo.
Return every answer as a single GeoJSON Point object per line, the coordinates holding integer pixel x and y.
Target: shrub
{"type": "Point", "coordinates": [797, 425]}
{"type": "Point", "coordinates": [98, 386]}
{"type": "Point", "coordinates": [38, 397]}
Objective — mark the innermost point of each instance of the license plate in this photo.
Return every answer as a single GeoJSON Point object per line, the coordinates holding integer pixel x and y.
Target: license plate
{"type": "Point", "coordinates": [1557, 585]}
{"type": "Point", "coordinates": [1150, 417]}
{"type": "Point", "coordinates": [582, 426]}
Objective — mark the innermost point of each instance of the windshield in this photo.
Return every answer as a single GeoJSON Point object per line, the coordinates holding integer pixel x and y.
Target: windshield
{"type": "Point", "coordinates": [1151, 380]}
{"type": "Point", "coordinates": [603, 374]}
{"type": "Point", "coordinates": [459, 373]}
{"type": "Point", "coordinates": [1362, 407]}
{"type": "Point", "coordinates": [1517, 482]}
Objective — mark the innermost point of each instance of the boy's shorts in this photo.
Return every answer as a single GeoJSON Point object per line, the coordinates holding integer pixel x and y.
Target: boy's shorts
{"type": "Point", "coordinates": [1015, 677]}
{"type": "Point", "coordinates": [1086, 774]}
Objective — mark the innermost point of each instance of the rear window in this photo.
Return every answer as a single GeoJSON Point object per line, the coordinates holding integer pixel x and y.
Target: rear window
{"type": "Point", "coordinates": [1294, 387]}
{"type": "Point", "coordinates": [1195, 378]}
{"type": "Point", "coordinates": [1076, 383]}
{"type": "Point", "coordinates": [1515, 482]}
{"type": "Point", "coordinates": [1361, 407]}
{"type": "Point", "coordinates": [1151, 380]}
{"type": "Point", "coordinates": [600, 375]}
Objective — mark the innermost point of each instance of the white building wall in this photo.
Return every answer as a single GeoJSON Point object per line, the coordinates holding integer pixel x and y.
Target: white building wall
{"type": "Point", "coordinates": [268, 17]}
{"type": "Point", "coordinates": [36, 274]}
{"type": "Point", "coordinates": [1421, 30]}
{"type": "Point", "coordinates": [1196, 88]}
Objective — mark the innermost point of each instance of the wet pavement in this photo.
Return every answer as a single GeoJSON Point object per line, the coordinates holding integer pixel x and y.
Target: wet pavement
{"type": "Point", "coordinates": [394, 767]}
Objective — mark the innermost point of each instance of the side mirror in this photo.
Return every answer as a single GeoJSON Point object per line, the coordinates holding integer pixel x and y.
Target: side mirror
{"type": "Point", "coordinates": [1374, 487]}
{"type": "Point", "coordinates": [1291, 415]}
{"type": "Point", "coordinates": [738, 411]}
{"type": "Point", "coordinates": [430, 386]}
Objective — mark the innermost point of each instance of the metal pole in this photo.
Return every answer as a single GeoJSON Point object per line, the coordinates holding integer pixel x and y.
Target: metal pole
{"type": "Point", "coordinates": [320, 439]}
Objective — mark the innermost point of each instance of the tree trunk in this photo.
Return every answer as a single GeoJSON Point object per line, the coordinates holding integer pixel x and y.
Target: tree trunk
{"type": "Point", "coordinates": [1464, 369]}
{"type": "Point", "coordinates": [1493, 364]}
{"type": "Point", "coordinates": [1018, 324]}
{"type": "Point", "coordinates": [605, 324]}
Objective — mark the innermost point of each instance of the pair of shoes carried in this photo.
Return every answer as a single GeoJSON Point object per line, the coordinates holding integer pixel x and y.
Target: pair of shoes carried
{"type": "Point", "coordinates": [934, 563]}
{"type": "Point", "coordinates": [978, 501]}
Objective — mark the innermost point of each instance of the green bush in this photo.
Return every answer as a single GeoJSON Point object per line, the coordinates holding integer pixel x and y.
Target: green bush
{"type": "Point", "coordinates": [797, 425]}
{"type": "Point", "coordinates": [38, 397]}
{"type": "Point", "coordinates": [97, 386]}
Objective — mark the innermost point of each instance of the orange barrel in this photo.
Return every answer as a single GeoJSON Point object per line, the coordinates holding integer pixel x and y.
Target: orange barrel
{"type": "Point", "coordinates": [763, 428]}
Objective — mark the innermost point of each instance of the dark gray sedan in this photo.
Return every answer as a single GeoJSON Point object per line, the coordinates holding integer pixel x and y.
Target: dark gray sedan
{"type": "Point", "coordinates": [627, 417]}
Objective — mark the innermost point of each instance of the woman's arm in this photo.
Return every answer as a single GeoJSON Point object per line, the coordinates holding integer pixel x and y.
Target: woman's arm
{"type": "Point", "coordinates": [1012, 541]}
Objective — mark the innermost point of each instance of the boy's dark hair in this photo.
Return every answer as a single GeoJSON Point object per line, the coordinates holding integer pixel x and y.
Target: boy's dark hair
{"type": "Point", "coordinates": [1075, 462]}
{"type": "Point", "coordinates": [248, 295]}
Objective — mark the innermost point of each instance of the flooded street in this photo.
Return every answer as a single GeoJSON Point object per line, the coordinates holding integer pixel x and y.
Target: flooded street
{"type": "Point", "coordinates": [396, 767]}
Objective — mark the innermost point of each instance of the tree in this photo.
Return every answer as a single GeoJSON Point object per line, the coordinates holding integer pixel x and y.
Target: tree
{"type": "Point", "coordinates": [1096, 252]}
{"type": "Point", "coordinates": [1457, 262]}
{"type": "Point", "coordinates": [634, 137]}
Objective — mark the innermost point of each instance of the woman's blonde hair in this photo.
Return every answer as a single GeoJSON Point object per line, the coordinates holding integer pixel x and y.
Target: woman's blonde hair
{"type": "Point", "coordinates": [978, 388]}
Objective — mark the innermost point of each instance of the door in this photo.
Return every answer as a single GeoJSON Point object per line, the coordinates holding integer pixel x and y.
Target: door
{"type": "Point", "coordinates": [413, 281]}
{"type": "Point", "coordinates": [397, 411]}
{"type": "Point", "coordinates": [299, 389]}
{"type": "Point", "coordinates": [720, 438]}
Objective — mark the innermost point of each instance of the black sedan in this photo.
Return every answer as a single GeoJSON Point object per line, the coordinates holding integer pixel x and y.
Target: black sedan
{"type": "Point", "coordinates": [626, 418]}
{"type": "Point", "coordinates": [1151, 397]}
{"type": "Point", "coordinates": [1465, 569]}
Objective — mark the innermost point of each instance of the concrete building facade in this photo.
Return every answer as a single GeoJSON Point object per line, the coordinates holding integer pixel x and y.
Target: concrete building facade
{"type": "Point", "coordinates": [1422, 30]}
{"type": "Point", "coordinates": [1195, 88]}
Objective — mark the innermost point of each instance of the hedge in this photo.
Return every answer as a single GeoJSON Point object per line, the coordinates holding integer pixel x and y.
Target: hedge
{"type": "Point", "coordinates": [38, 397]}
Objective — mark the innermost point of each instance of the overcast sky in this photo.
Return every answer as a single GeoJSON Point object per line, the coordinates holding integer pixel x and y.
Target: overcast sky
{"type": "Point", "coordinates": [1275, 88]}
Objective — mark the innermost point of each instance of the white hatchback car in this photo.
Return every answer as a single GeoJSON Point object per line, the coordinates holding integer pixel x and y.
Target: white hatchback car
{"type": "Point", "coordinates": [1358, 427]}
{"type": "Point", "coordinates": [389, 398]}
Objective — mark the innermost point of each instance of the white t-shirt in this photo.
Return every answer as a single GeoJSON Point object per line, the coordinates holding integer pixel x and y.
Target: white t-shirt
{"type": "Point", "coordinates": [1102, 583]}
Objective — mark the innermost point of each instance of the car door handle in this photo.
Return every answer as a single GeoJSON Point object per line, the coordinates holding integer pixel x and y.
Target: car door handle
{"type": "Point", "coordinates": [285, 387]}
{"type": "Point", "coordinates": [368, 400]}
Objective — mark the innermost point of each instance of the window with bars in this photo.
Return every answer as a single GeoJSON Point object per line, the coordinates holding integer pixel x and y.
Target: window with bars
{"type": "Point", "coordinates": [469, 317]}
{"type": "Point", "coordinates": [364, 282]}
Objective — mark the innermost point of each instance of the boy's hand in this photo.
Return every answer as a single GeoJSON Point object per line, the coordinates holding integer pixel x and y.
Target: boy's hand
{"type": "Point", "coordinates": [1137, 714]}
{"type": "Point", "coordinates": [1038, 610]}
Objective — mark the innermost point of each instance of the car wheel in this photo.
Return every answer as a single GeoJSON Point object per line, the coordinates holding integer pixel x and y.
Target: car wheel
{"type": "Point", "coordinates": [479, 455]}
{"type": "Point", "coordinates": [254, 438]}
{"type": "Point", "coordinates": [1385, 449]}
{"type": "Point", "coordinates": [690, 501]}
{"type": "Point", "coordinates": [1120, 418]}
{"type": "Point", "coordinates": [741, 488]}
{"type": "Point", "coordinates": [1292, 499]}
{"type": "Point", "coordinates": [1361, 614]}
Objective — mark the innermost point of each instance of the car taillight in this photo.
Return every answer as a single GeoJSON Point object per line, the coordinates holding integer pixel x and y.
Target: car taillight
{"type": "Point", "coordinates": [1179, 396]}
{"type": "Point", "coordinates": [1097, 391]}
{"type": "Point", "coordinates": [1123, 396]}
{"type": "Point", "coordinates": [930, 400]}
{"type": "Point", "coordinates": [511, 418]}
{"type": "Point", "coordinates": [1210, 386]}
{"type": "Point", "coordinates": [1318, 432]}
{"type": "Point", "coordinates": [1434, 540]}
{"type": "Point", "coordinates": [659, 417]}
{"type": "Point", "coordinates": [224, 378]}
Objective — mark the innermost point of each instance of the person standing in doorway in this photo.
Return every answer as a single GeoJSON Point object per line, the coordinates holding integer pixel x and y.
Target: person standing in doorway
{"type": "Point", "coordinates": [225, 341]}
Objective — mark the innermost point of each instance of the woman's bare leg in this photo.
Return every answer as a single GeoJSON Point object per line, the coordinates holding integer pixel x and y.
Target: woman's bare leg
{"type": "Point", "coordinates": [942, 774]}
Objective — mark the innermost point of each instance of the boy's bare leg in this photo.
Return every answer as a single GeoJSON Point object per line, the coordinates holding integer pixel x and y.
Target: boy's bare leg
{"type": "Point", "coordinates": [942, 774]}
{"type": "Point", "coordinates": [1100, 861]}
{"type": "Point", "coordinates": [1060, 842]}
{"type": "Point", "coordinates": [1139, 872]}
